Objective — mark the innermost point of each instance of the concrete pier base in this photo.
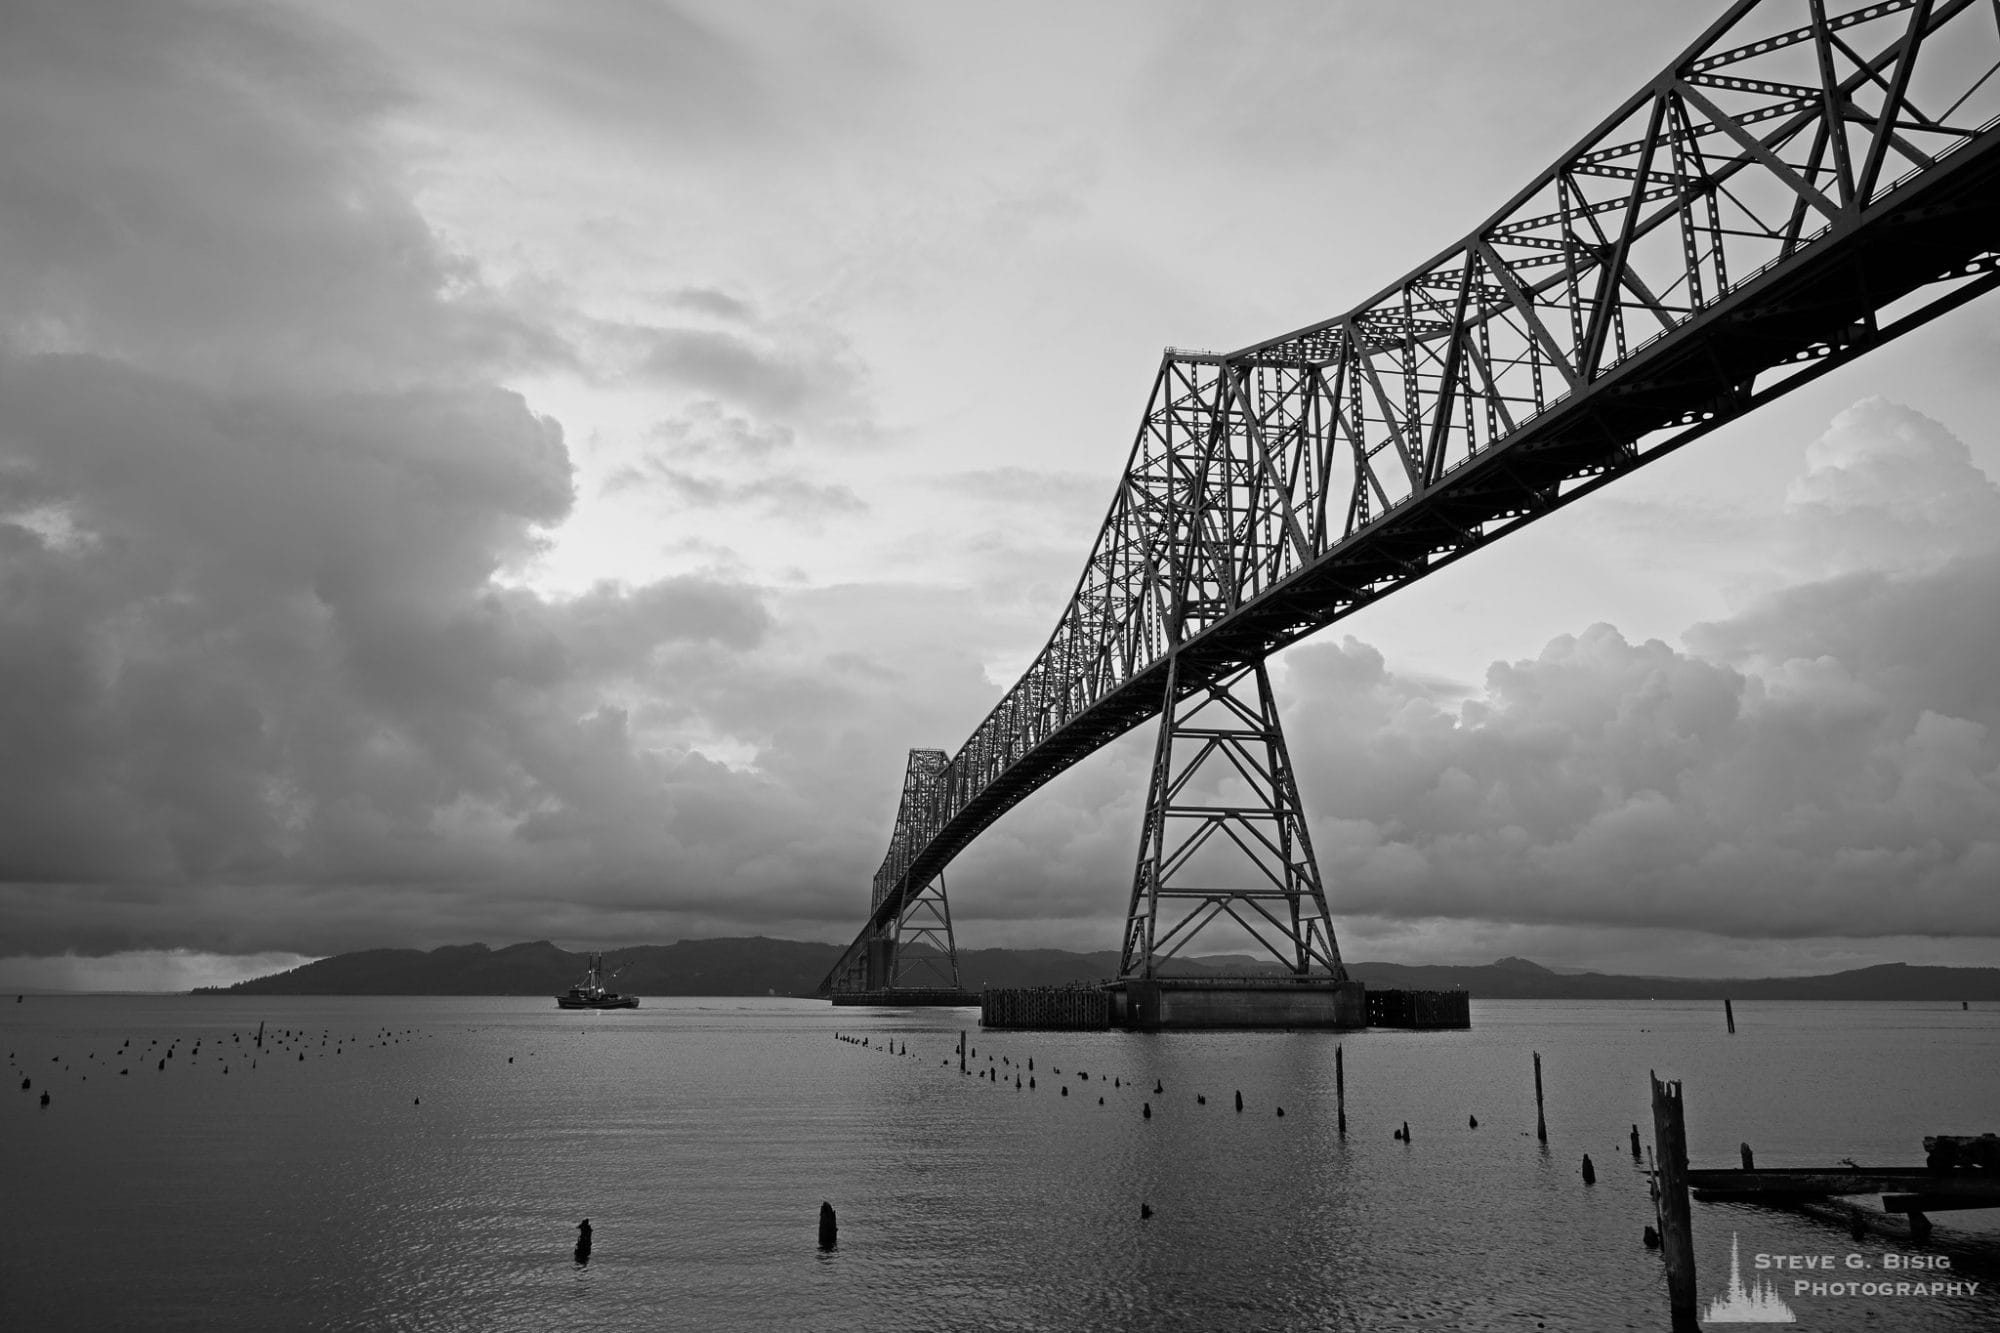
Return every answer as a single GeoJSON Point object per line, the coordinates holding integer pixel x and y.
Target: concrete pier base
{"type": "Point", "coordinates": [1166, 1004]}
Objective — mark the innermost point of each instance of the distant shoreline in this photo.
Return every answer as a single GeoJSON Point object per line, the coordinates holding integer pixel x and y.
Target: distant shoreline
{"type": "Point", "coordinates": [737, 968]}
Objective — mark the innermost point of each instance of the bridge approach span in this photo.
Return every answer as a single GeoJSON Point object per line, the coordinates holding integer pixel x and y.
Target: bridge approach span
{"type": "Point", "coordinates": [1806, 182]}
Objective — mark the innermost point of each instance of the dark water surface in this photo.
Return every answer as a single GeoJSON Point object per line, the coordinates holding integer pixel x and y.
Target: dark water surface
{"type": "Point", "coordinates": [699, 1136]}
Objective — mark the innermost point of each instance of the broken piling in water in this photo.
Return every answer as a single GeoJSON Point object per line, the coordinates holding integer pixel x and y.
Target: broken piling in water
{"type": "Point", "coordinates": [1676, 1228]}
{"type": "Point", "coordinates": [1339, 1090]}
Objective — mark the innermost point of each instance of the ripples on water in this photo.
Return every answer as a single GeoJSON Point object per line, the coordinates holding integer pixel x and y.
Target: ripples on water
{"type": "Point", "coordinates": [700, 1136]}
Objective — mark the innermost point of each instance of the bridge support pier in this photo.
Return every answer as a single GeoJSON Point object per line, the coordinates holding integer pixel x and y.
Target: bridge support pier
{"type": "Point", "coordinates": [1225, 844]}
{"type": "Point", "coordinates": [908, 954]}
{"type": "Point", "coordinates": [926, 921]}
{"type": "Point", "coordinates": [879, 963]}
{"type": "Point", "coordinates": [1180, 1003]}
{"type": "Point", "coordinates": [883, 970]}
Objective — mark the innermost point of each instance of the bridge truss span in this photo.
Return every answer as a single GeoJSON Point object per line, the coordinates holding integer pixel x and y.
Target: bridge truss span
{"type": "Point", "coordinates": [1804, 183]}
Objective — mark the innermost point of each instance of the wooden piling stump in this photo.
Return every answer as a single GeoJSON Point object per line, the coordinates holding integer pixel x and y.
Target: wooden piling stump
{"type": "Point", "coordinates": [1676, 1227]}
{"type": "Point", "coordinates": [1339, 1089]}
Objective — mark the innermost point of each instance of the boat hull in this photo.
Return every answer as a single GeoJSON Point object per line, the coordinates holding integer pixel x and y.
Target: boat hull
{"type": "Point", "coordinates": [598, 1002]}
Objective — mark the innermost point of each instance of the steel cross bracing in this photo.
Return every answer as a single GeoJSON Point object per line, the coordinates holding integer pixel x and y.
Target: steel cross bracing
{"type": "Point", "coordinates": [1806, 182]}
{"type": "Point", "coordinates": [1225, 836]}
{"type": "Point", "coordinates": [924, 918]}
{"type": "Point", "coordinates": [925, 921]}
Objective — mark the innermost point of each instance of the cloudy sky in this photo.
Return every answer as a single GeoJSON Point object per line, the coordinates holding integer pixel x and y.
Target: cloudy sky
{"type": "Point", "coordinates": [498, 470]}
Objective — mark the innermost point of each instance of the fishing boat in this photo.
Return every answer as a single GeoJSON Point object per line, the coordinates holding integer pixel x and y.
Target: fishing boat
{"type": "Point", "coordinates": [590, 992]}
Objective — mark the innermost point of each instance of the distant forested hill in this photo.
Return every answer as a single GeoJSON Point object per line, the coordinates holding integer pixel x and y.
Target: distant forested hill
{"type": "Point", "coordinates": [759, 966]}
{"type": "Point", "coordinates": [1519, 979]}
{"type": "Point", "coordinates": [754, 966]}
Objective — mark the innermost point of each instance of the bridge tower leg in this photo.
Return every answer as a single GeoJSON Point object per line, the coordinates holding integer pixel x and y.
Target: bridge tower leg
{"type": "Point", "coordinates": [926, 920]}
{"type": "Point", "coordinates": [1225, 841]}
{"type": "Point", "coordinates": [878, 962]}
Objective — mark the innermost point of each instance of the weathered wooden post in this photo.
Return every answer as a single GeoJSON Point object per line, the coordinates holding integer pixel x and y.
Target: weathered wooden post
{"type": "Point", "coordinates": [961, 1050]}
{"type": "Point", "coordinates": [1339, 1090]}
{"type": "Point", "coordinates": [1749, 1162]}
{"type": "Point", "coordinates": [1676, 1229]}
{"type": "Point", "coordinates": [1635, 1143]}
{"type": "Point", "coordinates": [1729, 1014]}
{"type": "Point", "coordinates": [1541, 1125]}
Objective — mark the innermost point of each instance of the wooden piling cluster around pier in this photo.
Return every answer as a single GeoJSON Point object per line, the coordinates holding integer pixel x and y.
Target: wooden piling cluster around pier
{"type": "Point", "coordinates": [1046, 1008]}
{"type": "Point", "coordinates": [1420, 1009]}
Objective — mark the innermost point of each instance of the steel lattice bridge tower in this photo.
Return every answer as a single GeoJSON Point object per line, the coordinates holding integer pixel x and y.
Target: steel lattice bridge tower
{"type": "Point", "coordinates": [1809, 180]}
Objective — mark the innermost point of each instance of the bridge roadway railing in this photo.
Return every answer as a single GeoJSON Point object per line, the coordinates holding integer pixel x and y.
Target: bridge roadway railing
{"type": "Point", "coordinates": [1802, 184]}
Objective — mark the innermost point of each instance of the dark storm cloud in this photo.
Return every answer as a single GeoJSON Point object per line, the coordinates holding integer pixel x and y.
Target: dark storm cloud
{"type": "Point", "coordinates": [269, 641]}
{"type": "Point", "coordinates": [264, 675]}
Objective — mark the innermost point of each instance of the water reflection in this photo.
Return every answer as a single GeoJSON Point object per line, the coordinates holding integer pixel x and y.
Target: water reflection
{"type": "Point", "coordinates": [433, 1176]}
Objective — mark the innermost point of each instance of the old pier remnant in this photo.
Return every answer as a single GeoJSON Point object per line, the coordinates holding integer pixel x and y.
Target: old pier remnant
{"type": "Point", "coordinates": [1046, 1008]}
{"type": "Point", "coordinates": [1420, 1009]}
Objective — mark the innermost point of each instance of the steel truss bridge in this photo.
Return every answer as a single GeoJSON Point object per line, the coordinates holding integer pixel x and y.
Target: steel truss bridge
{"type": "Point", "coordinates": [1807, 181]}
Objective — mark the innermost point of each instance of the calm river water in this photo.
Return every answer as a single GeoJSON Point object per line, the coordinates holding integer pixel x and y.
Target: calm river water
{"type": "Point", "coordinates": [425, 1165]}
